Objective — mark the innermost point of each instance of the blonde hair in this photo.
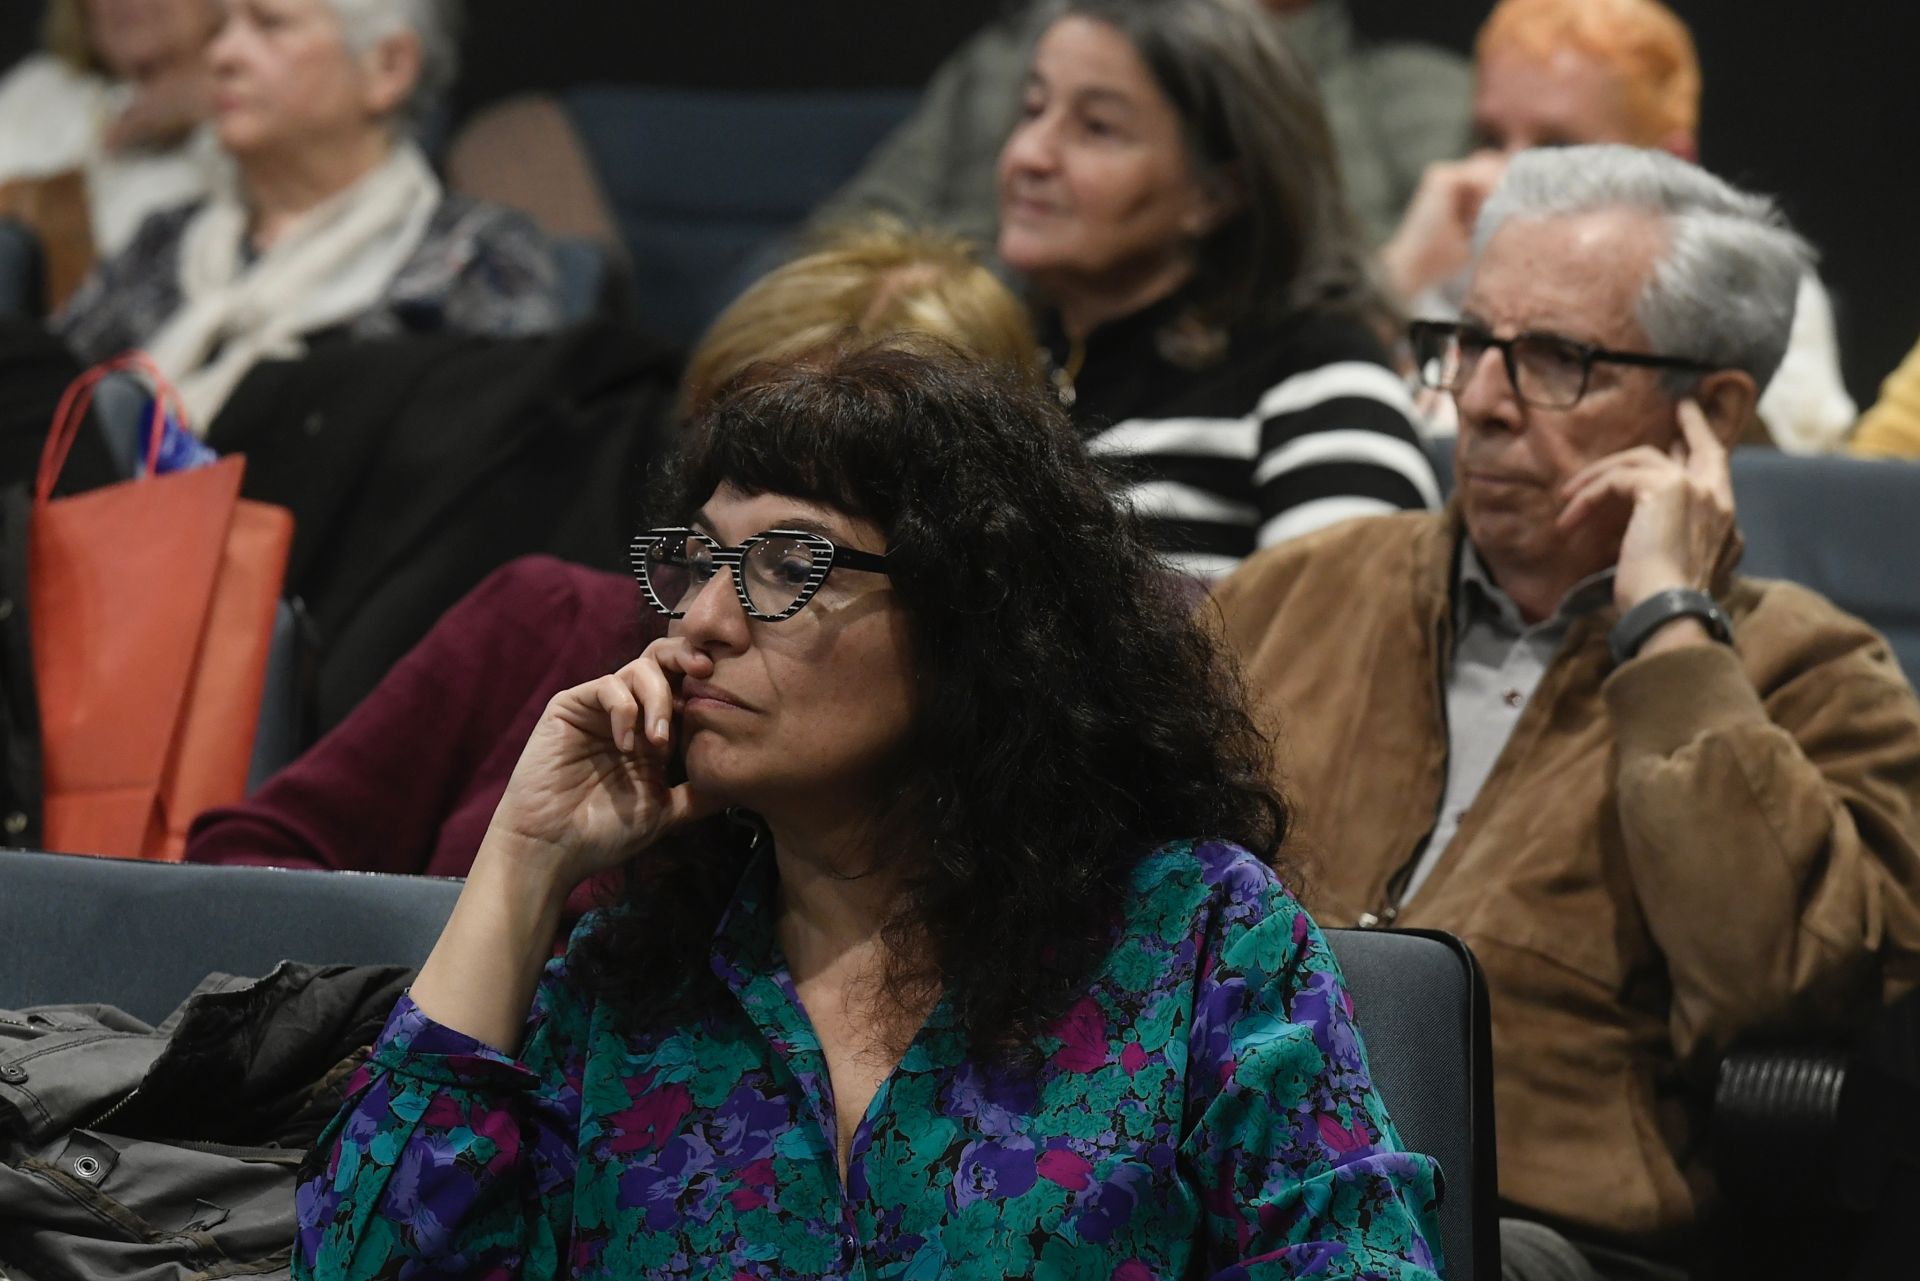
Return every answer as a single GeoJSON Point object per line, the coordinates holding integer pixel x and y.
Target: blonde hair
{"type": "Point", "coordinates": [866, 280]}
{"type": "Point", "coordinates": [1642, 41]}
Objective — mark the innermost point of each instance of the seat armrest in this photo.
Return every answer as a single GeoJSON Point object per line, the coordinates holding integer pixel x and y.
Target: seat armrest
{"type": "Point", "coordinates": [1831, 1125]}
{"type": "Point", "coordinates": [1776, 1122]}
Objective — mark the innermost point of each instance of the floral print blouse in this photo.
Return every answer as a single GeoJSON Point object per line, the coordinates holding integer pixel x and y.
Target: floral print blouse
{"type": "Point", "coordinates": [1203, 1110]}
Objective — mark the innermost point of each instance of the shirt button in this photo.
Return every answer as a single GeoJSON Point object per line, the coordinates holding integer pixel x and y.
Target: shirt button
{"type": "Point", "coordinates": [1513, 698]}
{"type": "Point", "coordinates": [13, 1074]}
{"type": "Point", "coordinates": [14, 823]}
{"type": "Point", "coordinates": [6, 608]}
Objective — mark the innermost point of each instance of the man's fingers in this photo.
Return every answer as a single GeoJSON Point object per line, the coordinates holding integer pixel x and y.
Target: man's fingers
{"type": "Point", "coordinates": [1706, 457]}
{"type": "Point", "coordinates": [1640, 459]}
{"type": "Point", "coordinates": [1582, 501]}
{"type": "Point", "coordinates": [1703, 447]}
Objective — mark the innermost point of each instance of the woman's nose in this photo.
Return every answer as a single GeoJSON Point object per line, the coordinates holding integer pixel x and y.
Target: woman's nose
{"type": "Point", "coordinates": [711, 611]}
{"type": "Point", "coordinates": [1030, 147]}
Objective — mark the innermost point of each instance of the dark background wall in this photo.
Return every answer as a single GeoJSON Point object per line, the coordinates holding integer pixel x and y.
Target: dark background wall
{"type": "Point", "coordinates": [1816, 104]}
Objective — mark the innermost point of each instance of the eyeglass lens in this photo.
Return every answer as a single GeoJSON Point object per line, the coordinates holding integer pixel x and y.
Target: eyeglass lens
{"type": "Point", "coordinates": [1550, 372]}
{"type": "Point", "coordinates": [775, 570]}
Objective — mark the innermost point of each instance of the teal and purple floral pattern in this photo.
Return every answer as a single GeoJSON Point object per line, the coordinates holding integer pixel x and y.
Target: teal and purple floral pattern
{"type": "Point", "coordinates": [1203, 1110]}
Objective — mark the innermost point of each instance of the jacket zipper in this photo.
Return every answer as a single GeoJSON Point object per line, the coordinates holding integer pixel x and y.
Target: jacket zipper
{"type": "Point", "coordinates": [113, 1111]}
{"type": "Point", "coordinates": [1390, 898]}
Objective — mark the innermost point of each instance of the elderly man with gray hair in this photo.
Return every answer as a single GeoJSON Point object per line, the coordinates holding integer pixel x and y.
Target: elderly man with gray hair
{"type": "Point", "coordinates": [333, 221]}
{"type": "Point", "coordinates": [1667, 806]}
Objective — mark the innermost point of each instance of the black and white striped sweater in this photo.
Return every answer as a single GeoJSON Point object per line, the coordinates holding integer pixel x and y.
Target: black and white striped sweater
{"type": "Point", "coordinates": [1294, 426]}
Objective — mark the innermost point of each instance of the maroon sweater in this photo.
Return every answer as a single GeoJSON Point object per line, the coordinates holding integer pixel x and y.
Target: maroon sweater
{"type": "Point", "coordinates": [409, 781]}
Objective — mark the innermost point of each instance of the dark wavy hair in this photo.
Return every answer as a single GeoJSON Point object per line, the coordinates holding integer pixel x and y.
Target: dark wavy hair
{"type": "Point", "coordinates": [1252, 119]}
{"type": "Point", "coordinates": [1071, 717]}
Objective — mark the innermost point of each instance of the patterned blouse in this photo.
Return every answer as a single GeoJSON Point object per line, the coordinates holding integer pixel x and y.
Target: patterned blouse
{"type": "Point", "coordinates": [1203, 1110]}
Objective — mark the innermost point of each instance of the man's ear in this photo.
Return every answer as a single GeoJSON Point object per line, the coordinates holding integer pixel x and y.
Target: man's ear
{"type": "Point", "coordinates": [392, 70]}
{"type": "Point", "coordinates": [1728, 397]}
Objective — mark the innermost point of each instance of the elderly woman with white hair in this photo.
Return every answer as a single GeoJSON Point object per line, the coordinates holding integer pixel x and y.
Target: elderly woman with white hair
{"type": "Point", "coordinates": [334, 221]}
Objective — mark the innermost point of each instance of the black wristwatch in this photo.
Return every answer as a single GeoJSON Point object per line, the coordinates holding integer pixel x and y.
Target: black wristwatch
{"type": "Point", "coordinates": [1659, 609]}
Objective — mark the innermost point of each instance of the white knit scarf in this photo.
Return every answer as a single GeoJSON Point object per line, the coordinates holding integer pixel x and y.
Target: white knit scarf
{"type": "Point", "coordinates": [334, 263]}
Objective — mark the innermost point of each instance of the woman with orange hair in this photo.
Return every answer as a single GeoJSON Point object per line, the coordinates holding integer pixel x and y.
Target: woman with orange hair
{"type": "Point", "coordinates": [1554, 73]}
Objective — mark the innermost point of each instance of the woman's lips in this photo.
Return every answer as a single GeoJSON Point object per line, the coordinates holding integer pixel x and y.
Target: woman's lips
{"type": "Point", "coordinates": [1024, 208]}
{"type": "Point", "coordinates": [698, 695]}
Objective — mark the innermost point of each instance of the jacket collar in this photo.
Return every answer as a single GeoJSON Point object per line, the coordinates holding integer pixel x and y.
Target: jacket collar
{"type": "Point", "coordinates": [1436, 555]}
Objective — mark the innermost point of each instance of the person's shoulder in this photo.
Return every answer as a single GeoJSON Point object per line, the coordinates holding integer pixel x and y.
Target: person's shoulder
{"type": "Point", "coordinates": [1309, 337]}
{"type": "Point", "coordinates": [1411, 68]}
{"type": "Point", "coordinates": [481, 268]}
{"type": "Point", "coordinates": [1233, 903]}
{"type": "Point", "coordinates": [1199, 865]}
{"type": "Point", "coordinates": [1349, 553]}
{"type": "Point", "coordinates": [1185, 879]}
{"type": "Point", "coordinates": [128, 296]}
{"type": "Point", "coordinates": [487, 227]}
{"type": "Point", "coordinates": [49, 85]}
{"type": "Point", "coordinates": [1784, 630]}
{"type": "Point", "coordinates": [548, 591]}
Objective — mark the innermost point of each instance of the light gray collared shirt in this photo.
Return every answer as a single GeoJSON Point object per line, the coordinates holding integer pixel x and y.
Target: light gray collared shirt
{"type": "Point", "coordinates": [1498, 660]}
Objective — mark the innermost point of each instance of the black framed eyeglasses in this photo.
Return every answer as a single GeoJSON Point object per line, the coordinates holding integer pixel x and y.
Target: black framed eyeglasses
{"type": "Point", "coordinates": [1547, 370]}
{"type": "Point", "coordinates": [776, 572]}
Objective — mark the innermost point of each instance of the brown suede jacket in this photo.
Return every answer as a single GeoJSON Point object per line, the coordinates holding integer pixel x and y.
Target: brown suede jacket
{"type": "Point", "coordinates": [1702, 846]}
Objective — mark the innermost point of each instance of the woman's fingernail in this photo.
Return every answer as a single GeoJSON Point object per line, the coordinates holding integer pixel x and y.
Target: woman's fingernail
{"type": "Point", "coordinates": [660, 729]}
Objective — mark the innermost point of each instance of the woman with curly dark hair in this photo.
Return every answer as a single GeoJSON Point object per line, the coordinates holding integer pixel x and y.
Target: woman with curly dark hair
{"type": "Point", "coordinates": [951, 941]}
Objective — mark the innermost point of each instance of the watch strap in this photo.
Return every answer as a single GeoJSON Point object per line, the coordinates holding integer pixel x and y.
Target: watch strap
{"type": "Point", "coordinates": [1661, 608]}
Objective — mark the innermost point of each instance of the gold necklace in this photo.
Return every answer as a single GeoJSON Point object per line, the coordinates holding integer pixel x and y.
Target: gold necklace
{"type": "Point", "coordinates": [1063, 375]}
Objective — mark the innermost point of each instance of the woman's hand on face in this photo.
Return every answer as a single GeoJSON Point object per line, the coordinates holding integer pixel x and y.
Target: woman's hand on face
{"type": "Point", "coordinates": [590, 790]}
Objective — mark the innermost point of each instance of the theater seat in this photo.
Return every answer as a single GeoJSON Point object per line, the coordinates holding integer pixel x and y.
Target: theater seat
{"type": "Point", "coordinates": [1816, 1148]}
{"type": "Point", "coordinates": [700, 180]}
{"type": "Point", "coordinates": [75, 928]}
{"type": "Point", "coordinates": [1849, 528]}
{"type": "Point", "coordinates": [1422, 1009]}
{"type": "Point", "coordinates": [592, 281]}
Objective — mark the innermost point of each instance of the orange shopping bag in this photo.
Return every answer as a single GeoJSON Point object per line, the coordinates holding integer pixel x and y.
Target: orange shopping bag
{"type": "Point", "coordinates": [151, 606]}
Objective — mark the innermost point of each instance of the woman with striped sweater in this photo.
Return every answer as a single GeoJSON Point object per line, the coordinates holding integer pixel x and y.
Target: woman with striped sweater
{"type": "Point", "coordinates": [1171, 199]}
